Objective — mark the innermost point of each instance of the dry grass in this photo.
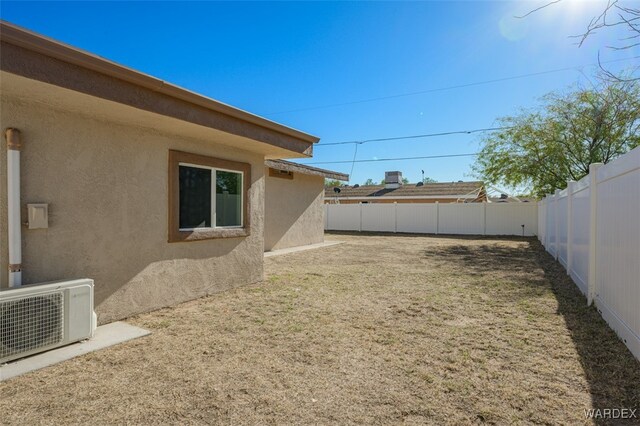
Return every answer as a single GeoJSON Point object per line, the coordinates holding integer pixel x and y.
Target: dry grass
{"type": "Point", "coordinates": [381, 329]}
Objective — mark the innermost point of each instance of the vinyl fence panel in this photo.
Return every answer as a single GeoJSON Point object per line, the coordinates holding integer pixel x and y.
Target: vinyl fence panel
{"type": "Point", "coordinates": [343, 217]}
{"type": "Point", "coordinates": [618, 246]}
{"type": "Point", "coordinates": [598, 239]}
{"type": "Point", "coordinates": [417, 218]}
{"type": "Point", "coordinates": [436, 218]}
{"type": "Point", "coordinates": [579, 244]}
{"type": "Point", "coordinates": [508, 218]}
{"type": "Point", "coordinates": [562, 236]}
{"type": "Point", "coordinates": [551, 225]}
{"type": "Point", "coordinates": [378, 217]}
{"type": "Point", "coordinates": [542, 221]}
{"type": "Point", "coordinates": [462, 219]}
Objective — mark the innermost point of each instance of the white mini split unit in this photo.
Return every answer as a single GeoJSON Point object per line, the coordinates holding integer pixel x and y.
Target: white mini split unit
{"type": "Point", "coordinates": [40, 317]}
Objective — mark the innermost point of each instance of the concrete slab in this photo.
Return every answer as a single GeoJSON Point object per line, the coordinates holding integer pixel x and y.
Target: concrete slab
{"type": "Point", "coordinates": [105, 336]}
{"type": "Point", "coordinates": [301, 248]}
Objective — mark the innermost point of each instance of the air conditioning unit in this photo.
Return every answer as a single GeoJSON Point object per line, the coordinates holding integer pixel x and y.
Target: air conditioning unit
{"type": "Point", "coordinates": [40, 317]}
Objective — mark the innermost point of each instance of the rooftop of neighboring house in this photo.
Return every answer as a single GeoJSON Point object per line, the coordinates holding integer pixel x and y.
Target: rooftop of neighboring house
{"type": "Point", "coordinates": [458, 189]}
{"type": "Point", "coordinates": [503, 198]}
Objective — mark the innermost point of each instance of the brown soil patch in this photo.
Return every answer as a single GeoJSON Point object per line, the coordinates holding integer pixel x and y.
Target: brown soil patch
{"type": "Point", "coordinates": [379, 330]}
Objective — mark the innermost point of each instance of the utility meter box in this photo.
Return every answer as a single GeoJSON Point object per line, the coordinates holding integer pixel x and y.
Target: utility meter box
{"type": "Point", "coordinates": [38, 216]}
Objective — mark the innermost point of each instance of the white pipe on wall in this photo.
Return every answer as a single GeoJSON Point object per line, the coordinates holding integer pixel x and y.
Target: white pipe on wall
{"type": "Point", "coordinates": [14, 144]}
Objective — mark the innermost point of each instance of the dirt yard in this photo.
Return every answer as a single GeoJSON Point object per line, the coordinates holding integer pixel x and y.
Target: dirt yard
{"type": "Point", "coordinates": [378, 330]}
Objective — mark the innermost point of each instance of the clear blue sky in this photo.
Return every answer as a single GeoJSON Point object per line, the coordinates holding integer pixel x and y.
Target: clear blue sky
{"type": "Point", "coordinates": [279, 59]}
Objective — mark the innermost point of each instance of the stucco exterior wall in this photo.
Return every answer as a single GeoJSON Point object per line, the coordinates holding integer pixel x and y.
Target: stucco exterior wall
{"type": "Point", "coordinates": [107, 188]}
{"type": "Point", "coordinates": [294, 212]}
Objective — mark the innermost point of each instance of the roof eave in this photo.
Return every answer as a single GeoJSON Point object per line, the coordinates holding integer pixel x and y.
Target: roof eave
{"type": "Point", "coordinates": [32, 42]}
{"type": "Point", "coordinates": [307, 170]}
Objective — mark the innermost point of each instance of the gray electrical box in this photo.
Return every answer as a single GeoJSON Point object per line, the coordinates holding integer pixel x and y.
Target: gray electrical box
{"type": "Point", "coordinates": [38, 216]}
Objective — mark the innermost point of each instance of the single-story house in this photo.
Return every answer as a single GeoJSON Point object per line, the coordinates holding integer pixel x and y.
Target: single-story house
{"type": "Point", "coordinates": [395, 191]}
{"type": "Point", "coordinates": [294, 204]}
{"type": "Point", "coordinates": [155, 192]}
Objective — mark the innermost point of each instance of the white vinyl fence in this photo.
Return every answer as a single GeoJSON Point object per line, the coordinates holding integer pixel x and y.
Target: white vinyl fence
{"type": "Point", "coordinates": [593, 229]}
{"type": "Point", "coordinates": [437, 218]}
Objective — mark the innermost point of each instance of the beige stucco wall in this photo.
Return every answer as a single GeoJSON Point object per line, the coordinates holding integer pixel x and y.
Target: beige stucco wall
{"type": "Point", "coordinates": [294, 212]}
{"type": "Point", "coordinates": [106, 185]}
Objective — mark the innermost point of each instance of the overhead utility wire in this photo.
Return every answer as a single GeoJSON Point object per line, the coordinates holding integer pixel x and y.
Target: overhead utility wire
{"type": "Point", "coordinates": [394, 159]}
{"type": "Point", "coordinates": [426, 135]}
{"type": "Point", "coordinates": [458, 86]}
{"type": "Point", "coordinates": [353, 162]}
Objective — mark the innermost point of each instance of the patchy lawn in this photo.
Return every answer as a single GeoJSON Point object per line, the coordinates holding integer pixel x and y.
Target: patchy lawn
{"type": "Point", "coordinates": [381, 329]}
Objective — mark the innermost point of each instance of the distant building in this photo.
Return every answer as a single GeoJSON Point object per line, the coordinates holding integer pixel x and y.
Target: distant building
{"type": "Point", "coordinates": [504, 198]}
{"type": "Point", "coordinates": [394, 191]}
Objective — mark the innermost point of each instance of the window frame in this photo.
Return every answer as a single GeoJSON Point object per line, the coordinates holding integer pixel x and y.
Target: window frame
{"type": "Point", "coordinates": [180, 158]}
{"type": "Point", "coordinates": [213, 190]}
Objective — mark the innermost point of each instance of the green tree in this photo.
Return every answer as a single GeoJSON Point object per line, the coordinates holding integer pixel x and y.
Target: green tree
{"type": "Point", "coordinates": [331, 183]}
{"type": "Point", "coordinates": [369, 182]}
{"type": "Point", "coordinates": [429, 180]}
{"type": "Point", "coordinates": [538, 151]}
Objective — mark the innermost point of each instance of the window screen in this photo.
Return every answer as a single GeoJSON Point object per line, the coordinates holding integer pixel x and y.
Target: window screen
{"type": "Point", "coordinates": [228, 198]}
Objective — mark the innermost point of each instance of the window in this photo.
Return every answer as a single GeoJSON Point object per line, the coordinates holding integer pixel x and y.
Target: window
{"type": "Point", "coordinates": [200, 206]}
{"type": "Point", "coordinates": [207, 197]}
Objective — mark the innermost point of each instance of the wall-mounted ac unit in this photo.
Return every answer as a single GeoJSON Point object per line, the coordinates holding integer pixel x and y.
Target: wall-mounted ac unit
{"type": "Point", "coordinates": [40, 317]}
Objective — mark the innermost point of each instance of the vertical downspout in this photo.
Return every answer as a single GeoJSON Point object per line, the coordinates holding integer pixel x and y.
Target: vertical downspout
{"type": "Point", "coordinates": [14, 144]}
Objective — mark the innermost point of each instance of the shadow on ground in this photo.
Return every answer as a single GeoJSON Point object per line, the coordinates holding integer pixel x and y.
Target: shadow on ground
{"type": "Point", "coordinates": [611, 370]}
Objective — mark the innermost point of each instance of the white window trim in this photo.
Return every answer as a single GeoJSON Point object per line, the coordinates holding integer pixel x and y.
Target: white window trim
{"type": "Point", "coordinates": [213, 198]}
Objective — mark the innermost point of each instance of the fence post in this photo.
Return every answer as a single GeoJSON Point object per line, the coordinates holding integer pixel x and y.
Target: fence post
{"type": "Point", "coordinates": [540, 233]}
{"type": "Point", "coordinates": [484, 212]}
{"type": "Point", "coordinates": [395, 216]}
{"type": "Point", "coordinates": [546, 222]}
{"type": "Point", "coordinates": [593, 243]}
{"type": "Point", "coordinates": [570, 188]}
{"type": "Point", "coordinates": [544, 213]}
{"type": "Point", "coordinates": [556, 197]}
{"type": "Point", "coordinates": [437, 218]}
{"type": "Point", "coordinates": [360, 222]}
{"type": "Point", "coordinates": [541, 215]}
{"type": "Point", "coordinates": [326, 216]}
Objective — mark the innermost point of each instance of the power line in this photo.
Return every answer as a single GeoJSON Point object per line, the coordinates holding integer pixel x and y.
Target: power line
{"type": "Point", "coordinates": [458, 86]}
{"type": "Point", "coordinates": [353, 162]}
{"type": "Point", "coordinates": [394, 159]}
{"type": "Point", "coordinates": [356, 143]}
{"type": "Point", "coordinates": [426, 135]}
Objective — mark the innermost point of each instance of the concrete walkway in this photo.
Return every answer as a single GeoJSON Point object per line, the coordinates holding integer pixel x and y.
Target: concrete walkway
{"type": "Point", "coordinates": [301, 248]}
{"type": "Point", "coordinates": [105, 336]}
